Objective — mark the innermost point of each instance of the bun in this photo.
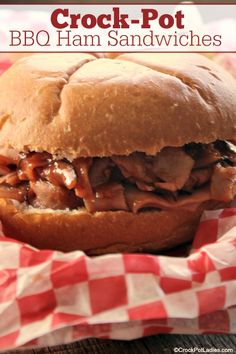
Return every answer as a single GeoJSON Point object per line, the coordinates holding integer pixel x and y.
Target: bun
{"type": "Point", "coordinates": [88, 105]}
{"type": "Point", "coordinates": [81, 105]}
{"type": "Point", "coordinates": [99, 233]}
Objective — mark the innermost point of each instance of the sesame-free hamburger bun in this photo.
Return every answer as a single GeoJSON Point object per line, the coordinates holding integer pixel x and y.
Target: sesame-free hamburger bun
{"type": "Point", "coordinates": [114, 155]}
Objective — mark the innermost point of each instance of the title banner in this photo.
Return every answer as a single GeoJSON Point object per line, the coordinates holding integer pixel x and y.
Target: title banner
{"type": "Point", "coordinates": [117, 28]}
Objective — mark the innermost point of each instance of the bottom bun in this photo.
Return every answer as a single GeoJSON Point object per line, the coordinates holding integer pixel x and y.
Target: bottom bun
{"type": "Point", "coordinates": [102, 232]}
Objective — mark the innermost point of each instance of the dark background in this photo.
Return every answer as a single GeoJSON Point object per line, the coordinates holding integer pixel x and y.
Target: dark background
{"type": "Point", "coordinates": [107, 1]}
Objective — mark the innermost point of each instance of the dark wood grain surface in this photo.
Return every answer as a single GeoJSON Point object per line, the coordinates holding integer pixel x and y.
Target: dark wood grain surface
{"type": "Point", "coordinates": [104, 1]}
{"type": "Point", "coordinates": [156, 344]}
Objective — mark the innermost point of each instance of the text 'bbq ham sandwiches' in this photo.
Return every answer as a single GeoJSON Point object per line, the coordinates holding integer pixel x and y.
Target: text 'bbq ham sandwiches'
{"type": "Point", "coordinates": [114, 155]}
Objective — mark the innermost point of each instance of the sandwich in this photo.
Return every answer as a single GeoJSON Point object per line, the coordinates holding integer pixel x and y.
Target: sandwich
{"type": "Point", "coordinates": [116, 154]}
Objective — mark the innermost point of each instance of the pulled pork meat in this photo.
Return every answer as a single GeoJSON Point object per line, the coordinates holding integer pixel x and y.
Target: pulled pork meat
{"type": "Point", "coordinates": [176, 177]}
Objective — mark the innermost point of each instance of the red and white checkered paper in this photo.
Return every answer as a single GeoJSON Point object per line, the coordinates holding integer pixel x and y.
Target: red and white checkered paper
{"type": "Point", "coordinates": [49, 297]}
{"type": "Point", "coordinates": [4, 64]}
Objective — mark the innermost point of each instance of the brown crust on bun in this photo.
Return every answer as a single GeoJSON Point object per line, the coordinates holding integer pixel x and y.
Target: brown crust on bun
{"type": "Point", "coordinates": [99, 233]}
{"type": "Point", "coordinates": [80, 105]}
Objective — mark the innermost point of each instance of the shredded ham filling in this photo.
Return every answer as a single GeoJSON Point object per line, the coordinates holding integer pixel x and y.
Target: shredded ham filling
{"type": "Point", "coordinates": [174, 178]}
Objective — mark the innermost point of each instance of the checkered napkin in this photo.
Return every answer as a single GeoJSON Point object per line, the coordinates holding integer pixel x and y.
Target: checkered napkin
{"type": "Point", "coordinates": [4, 65]}
{"type": "Point", "coordinates": [49, 297]}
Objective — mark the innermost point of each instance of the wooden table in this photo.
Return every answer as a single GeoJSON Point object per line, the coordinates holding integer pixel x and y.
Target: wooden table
{"type": "Point", "coordinates": [151, 345]}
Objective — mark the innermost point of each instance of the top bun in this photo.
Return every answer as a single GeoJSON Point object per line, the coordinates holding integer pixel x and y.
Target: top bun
{"type": "Point", "coordinates": [74, 105]}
